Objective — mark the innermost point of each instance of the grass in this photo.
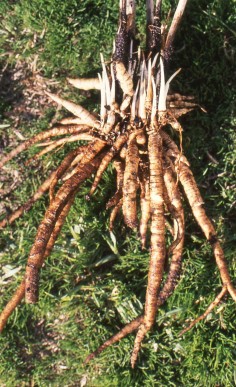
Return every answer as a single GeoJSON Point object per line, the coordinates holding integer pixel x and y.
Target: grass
{"type": "Point", "coordinates": [94, 282]}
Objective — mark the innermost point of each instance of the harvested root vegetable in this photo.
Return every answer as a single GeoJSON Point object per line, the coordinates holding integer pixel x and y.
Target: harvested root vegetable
{"type": "Point", "coordinates": [151, 170]}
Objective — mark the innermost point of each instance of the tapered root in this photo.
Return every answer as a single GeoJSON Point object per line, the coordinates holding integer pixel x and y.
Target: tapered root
{"type": "Point", "coordinates": [196, 203]}
{"type": "Point", "coordinates": [195, 200]}
{"type": "Point", "coordinates": [48, 223]}
{"type": "Point", "coordinates": [76, 109]}
{"type": "Point", "coordinates": [214, 303]}
{"type": "Point", "coordinates": [107, 159]}
{"type": "Point", "coordinates": [57, 131]}
{"type": "Point", "coordinates": [129, 328]}
{"type": "Point", "coordinates": [26, 207]}
{"type": "Point", "coordinates": [20, 292]}
{"type": "Point", "coordinates": [12, 304]}
{"type": "Point", "coordinates": [144, 202]}
{"type": "Point", "coordinates": [157, 257]}
{"type": "Point", "coordinates": [130, 184]}
{"type": "Point", "coordinates": [85, 83]}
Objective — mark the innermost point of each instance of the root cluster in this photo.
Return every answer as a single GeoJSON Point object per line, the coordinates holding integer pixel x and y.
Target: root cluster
{"type": "Point", "coordinates": [137, 112]}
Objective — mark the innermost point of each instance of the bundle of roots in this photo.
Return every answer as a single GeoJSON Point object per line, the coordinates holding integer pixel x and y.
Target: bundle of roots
{"type": "Point", "coordinates": [137, 111]}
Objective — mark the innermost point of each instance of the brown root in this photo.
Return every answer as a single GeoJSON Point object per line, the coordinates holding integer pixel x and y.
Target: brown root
{"type": "Point", "coordinates": [120, 167]}
{"type": "Point", "coordinates": [144, 202]}
{"type": "Point", "coordinates": [195, 200]}
{"type": "Point", "coordinates": [129, 328]}
{"type": "Point", "coordinates": [57, 131]}
{"type": "Point", "coordinates": [107, 159]}
{"type": "Point", "coordinates": [44, 187]}
{"type": "Point", "coordinates": [213, 304]}
{"type": "Point", "coordinates": [130, 184]}
{"type": "Point", "coordinates": [196, 203]}
{"type": "Point", "coordinates": [114, 214]}
{"type": "Point", "coordinates": [48, 223]}
{"type": "Point", "coordinates": [60, 171]}
{"type": "Point", "coordinates": [157, 257]}
{"type": "Point", "coordinates": [85, 83]}
{"type": "Point", "coordinates": [20, 292]}
{"type": "Point", "coordinates": [76, 109]}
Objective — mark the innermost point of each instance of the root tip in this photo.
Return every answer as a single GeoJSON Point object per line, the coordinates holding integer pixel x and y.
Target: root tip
{"type": "Point", "coordinates": [134, 358]}
{"type": "Point", "coordinates": [89, 358]}
{"type": "Point", "coordinates": [143, 243]}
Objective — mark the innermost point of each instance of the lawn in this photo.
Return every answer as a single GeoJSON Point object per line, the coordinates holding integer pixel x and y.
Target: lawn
{"type": "Point", "coordinates": [94, 282]}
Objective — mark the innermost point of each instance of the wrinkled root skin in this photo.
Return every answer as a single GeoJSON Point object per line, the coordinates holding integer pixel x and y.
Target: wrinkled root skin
{"type": "Point", "coordinates": [151, 170]}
